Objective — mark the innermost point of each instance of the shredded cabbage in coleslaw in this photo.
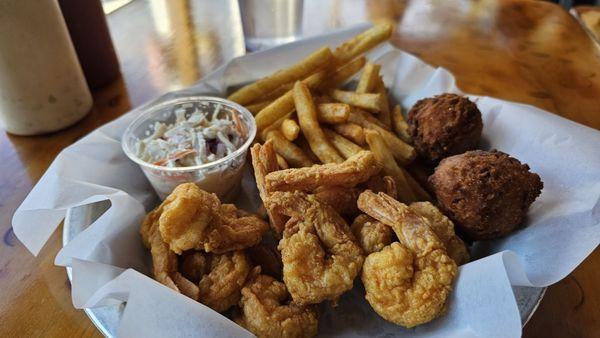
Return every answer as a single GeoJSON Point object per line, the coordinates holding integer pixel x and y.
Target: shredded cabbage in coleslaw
{"type": "Point", "coordinates": [195, 138]}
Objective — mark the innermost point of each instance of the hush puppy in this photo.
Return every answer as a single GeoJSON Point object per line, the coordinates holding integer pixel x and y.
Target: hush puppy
{"type": "Point", "coordinates": [486, 193]}
{"type": "Point", "coordinates": [444, 125]}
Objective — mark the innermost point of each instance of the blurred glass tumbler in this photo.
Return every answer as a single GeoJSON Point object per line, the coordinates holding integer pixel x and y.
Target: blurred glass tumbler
{"type": "Point", "coordinates": [268, 23]}
{"type": "Point", "coordinates": [42, 87]}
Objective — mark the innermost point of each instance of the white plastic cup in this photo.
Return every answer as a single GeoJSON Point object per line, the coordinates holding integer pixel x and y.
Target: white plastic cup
{"type": "Point", "coordinates": [221, 177]}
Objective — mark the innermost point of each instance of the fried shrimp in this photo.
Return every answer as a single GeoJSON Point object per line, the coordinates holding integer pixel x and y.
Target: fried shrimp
{"type": "Point", "coordinates": [406, 283]}
{"type": "Point", "coordinates": [164, 261]}
{"type": "Point", "coordinates": [371, 234]}
{"type": "Point", "coordinates": [443, 227]}
{"type": "Point", "coordinates": [220, 288]}
{"type": "Point", "coordinates": [191, 218]}
{"type": "Point", "coordinates": [267, 312]}
{"type": "Point", "coordinates": [193, 266]}
{"type": "Point", "coordinates": [264, 161]}
{"type": "Point", "coordinates": [384, 184]}
{"type": "Point", "coordinates": [320, 255]}
{"type": "Point", "coordinates": [357, 169]}
{"type": "Point", "coordinates": [342, 199]}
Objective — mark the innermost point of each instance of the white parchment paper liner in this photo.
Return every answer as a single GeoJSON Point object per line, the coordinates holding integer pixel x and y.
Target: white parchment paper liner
{"type": "Point", "coordinates": [109, 262]}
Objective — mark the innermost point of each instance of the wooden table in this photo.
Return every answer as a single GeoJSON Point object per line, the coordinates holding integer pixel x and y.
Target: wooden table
{"type": "Point", "coordinates": [526, 51]}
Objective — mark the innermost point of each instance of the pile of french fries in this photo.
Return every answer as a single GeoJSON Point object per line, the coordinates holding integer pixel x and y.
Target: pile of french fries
{"type": "Point", "coordinates": [311, 120]}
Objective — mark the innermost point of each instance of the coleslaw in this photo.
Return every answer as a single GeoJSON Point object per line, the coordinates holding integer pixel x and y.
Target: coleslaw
{"type": "Point", "coordinates": [196, 137]}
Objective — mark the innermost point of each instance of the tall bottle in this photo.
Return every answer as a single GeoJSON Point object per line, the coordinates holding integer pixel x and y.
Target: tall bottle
{"type": "Point", "coordinates": [42, 87]}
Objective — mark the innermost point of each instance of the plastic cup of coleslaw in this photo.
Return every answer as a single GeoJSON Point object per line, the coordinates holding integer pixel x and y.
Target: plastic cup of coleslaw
{"type": "Point", "coordinates": [214, 166]}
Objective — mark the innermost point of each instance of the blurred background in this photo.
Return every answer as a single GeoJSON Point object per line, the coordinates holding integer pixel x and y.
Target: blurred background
{"type": "Point", "coordinates": [176, 42]}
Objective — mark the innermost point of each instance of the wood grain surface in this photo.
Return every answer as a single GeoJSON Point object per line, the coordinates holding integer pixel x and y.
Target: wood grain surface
{"type": "Point", "coordinates": [527, 51]}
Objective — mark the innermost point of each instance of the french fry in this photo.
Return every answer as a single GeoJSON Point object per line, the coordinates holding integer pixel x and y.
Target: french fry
{"type": "Point", "coordinates": [345, 147]}
{"type": "Point", "coordinates": [351, 131]}
{"type": "Point", "coordinates": [343, 73]}
{"type": "Point", "coordinates": [363, 42]}
{"type": "Point", "coordinates": [382, 153]}
{"type": "Point", "coordinates": [400, 125]}
{"type": "Point", "coordinates": [402, 151]}
{"type": "Point", "coordinates": [256, 107]}
{"type": "Point", "coordinates": [285, 104]}
{"type": "Point", "coordinates": [307, 117]}
{"type": "Point", "coordinates": [362, 117]}
{"type": "Point", "coordinates": [281, 162]}
{"type": "Point", "coordinates": [274, 126]}
{"type": "Point", "coordinates": [384, 113]}
{"type": "Point", "coordinates": [322, 99]}
{"type": "Point", "coordinates": [420, 193]}
{"type": "Point", "coordinates": [333, 112]}
{"type": "Point", "coordinates": [372, 102]}
{"type": "Point", "coordinates": [277, 92]}
{"type": "Point", "coordinates": [306, 66]}
{"type": "Point", "coordinates": [368, 79]}
{"type": "Point", "coordinates": [290, 129]}
{"type": "Point", "coordinates": [292, 154]}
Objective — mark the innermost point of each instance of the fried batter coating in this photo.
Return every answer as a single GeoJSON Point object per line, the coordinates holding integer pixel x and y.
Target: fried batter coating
{"type": "Point", "coordinates": [237, 230]}
{"type": "Point", "coordinates": [267, 312]}
{"type": "Point", "coordinates": [267, 257]}
{"type": "Point", "coordinates": [220, 287]}
{"type": "Point", "coordinates": [486, 193]}
{"type": "Point", "coordinates": [407, 283]}
{"type": "Point", "coordinates": [186, 215]}
{"type": "Point", "coordinates": [320, 255]}
{"type": "Point", "coordinates": [193, 266]}
{"type": "Point", "coordinates": [192, 218]}
{"type": "Point", "coordinates": [384, 184]}
{"type": "Point", "coordinates": [443, 227]}
{"type": "Point", "coordinates": [185, 286]}
{"type": "Point", "coordinates": [357, 169]}
{"type": "Point", "coordinates": [371, 234]}
{"type": "Point", "coordinates": [264, 161]}
{"type": "Point", "coordinates": [342, 199]}
{"type": "Point", "coordinates": [164, 261]}
{"type": "Point", "coordinates": [150, 224]}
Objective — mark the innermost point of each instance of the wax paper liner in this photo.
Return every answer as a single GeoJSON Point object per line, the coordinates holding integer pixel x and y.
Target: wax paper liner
{"type": "Point", "coordinates": [109, 263]}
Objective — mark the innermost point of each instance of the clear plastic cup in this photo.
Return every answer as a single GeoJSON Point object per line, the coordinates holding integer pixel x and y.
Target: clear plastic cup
{"type": "Point", "coordinates": [221, 177]}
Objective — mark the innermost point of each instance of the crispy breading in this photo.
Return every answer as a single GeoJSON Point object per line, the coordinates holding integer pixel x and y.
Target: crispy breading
{"type": "Point", "coordinates": [320, 255]}
{"type": "Point", "coordinates": [264, 161]}
{"type": "Point", "coordinates": [267, 312]}
{"type": "Point", "coordinates": [443, 227]}
{"type": "Point", "coordinates": [371, 234]}
{"type": "Point", "coordinates": [342, 199]}
{"type": "Point", "coordinates": [193, 265]}
{"type": "Point", "coordinates": [357, 169]}
{"type": "Point", "coordinates": [409, 281]}
{"type": "Point", "coordinates": [220, 287]}
{"type": "Point", "coordinates": [191, 218]}
{"type": "Point", "coordinates": [185, 286]}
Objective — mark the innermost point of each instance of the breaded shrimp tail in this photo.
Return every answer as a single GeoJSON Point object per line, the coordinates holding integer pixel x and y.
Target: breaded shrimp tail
{"type": "Point", "coordinates": [357, 169]}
